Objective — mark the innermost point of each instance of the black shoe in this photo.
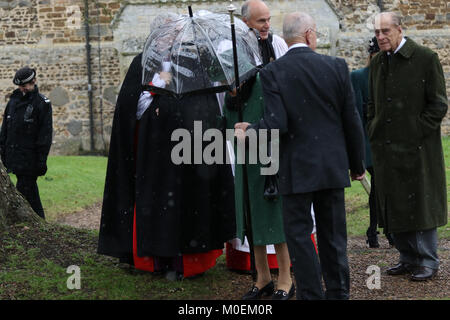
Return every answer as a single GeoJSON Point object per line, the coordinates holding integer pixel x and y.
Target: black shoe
{"type": "Point", "coordinates": [256, 294]}
{"type": "Point", "coordinates": [372, 240]}
{"type": "Point", "coordinates": [283, 295]}
{"type": "Point", "coordinates": [400, 269]}
{"type": "Point", "coordinates": [423, 274]}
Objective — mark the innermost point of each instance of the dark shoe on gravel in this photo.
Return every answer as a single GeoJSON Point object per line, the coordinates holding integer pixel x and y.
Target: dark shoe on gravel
{"type": "Point", "coordinates": [423, 274]}
{"type": "Point", "coordinates": [400, 269]}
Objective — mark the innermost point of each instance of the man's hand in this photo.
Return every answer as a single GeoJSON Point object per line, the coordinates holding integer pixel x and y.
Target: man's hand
{"type": "Point", "coordinates": [239, 130]}
{"type": "Point", "coordinates": [358, 177]}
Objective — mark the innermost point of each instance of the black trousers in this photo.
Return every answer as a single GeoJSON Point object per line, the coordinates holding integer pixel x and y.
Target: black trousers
{"type": "Point", "coordinates": [27, 186]}
{"type": "Point", "coordinates": [329, 210]}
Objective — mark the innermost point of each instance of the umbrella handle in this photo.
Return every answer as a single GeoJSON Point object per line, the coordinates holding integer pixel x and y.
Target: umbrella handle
{"type": "Point", "coordinates": [190, 11]}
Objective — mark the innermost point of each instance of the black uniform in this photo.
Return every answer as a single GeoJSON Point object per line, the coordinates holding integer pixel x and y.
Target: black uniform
{"type": "Point", "coordinates": [25, 141]}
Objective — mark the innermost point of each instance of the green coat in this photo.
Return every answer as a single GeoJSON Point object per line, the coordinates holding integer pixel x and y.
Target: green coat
{"type": "Point", "coordinates": [360, 83]}
{"type": "Point", "coordinates": [266, 216]}
{"type": "Point", "coordinates": [407, 102]}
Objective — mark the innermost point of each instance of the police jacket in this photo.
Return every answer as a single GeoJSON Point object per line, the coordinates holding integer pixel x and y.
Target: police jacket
{"type": "Point", "coordinates": [26, 133]}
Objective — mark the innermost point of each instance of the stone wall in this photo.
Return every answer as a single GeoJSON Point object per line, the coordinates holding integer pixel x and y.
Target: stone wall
{"type": "Point", "coordinates": [50, 35]}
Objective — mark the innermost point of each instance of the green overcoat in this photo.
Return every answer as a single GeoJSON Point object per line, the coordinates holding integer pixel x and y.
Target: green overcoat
{"type": "Point", "coordinates": [266, 216]}
{"type": "Point", "coordinates": [407, 102]}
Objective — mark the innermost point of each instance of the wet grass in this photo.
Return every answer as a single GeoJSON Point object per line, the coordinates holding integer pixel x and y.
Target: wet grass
{"type": "Point", "coordinates": [33, 266]}
{"type": "Point", "coordinates": [71, 184]}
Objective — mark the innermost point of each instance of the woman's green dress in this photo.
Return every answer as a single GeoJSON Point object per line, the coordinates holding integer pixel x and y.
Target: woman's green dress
{"type": "Point", "coordinates": [266, 216]}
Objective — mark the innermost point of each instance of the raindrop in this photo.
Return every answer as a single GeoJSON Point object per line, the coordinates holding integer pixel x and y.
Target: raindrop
{"type": "Point", "coordinates": [193, 243]}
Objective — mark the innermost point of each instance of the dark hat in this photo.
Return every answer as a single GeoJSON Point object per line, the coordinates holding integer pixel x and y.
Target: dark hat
{"type": "Point", "coordinates": [373, 46]}
{"type": "Point", "coordinates": [24, 76]}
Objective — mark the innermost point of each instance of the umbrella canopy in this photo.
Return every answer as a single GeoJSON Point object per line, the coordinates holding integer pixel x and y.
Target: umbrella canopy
{"type": "Point", "coordinates": [197, 52]}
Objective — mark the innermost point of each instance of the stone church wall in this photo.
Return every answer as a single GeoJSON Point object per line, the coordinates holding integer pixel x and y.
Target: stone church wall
{"type": "Point", "coordinates": [50, 35]}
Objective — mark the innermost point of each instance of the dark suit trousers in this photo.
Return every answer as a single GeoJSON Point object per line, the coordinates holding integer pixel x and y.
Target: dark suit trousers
{"type": "Point", "coordinates": [27, 186]}
{"type": "Point", "coordinates": [329, 209]}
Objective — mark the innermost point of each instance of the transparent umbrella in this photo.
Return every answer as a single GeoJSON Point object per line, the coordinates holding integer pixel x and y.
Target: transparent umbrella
{"type": "Point", "coordinates": [196, 52]}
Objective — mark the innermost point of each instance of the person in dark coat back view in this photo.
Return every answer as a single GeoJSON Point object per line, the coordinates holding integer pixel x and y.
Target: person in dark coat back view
{"type": "Point", "coordinates": [26, 136]}
{"type": "Point", "coordinates": [159, 215]}
{"type": "Point", "coordinates": [309, 98]}
{"type": "Point", "coordinates": [360, 83]}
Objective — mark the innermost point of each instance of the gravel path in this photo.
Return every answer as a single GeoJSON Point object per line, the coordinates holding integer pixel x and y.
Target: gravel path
{"type": "Point", "coordinates": [360, 259]}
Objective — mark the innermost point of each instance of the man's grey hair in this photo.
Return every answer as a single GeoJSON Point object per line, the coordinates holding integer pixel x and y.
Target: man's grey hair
{"type": "Point", "coordinates": [245, 9]}
{"type": "Point", "coordinates": [296, 24]}
{"type": "Point", "coordinates": [396, 18]}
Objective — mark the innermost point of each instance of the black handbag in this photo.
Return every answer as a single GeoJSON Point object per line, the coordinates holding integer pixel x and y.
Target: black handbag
{"type": "Point", "coordinates": [271, 192]}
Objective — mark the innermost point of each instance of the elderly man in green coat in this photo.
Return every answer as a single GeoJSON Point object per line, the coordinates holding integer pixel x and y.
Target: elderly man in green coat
{"type": "Point", "coordinates": [407, 102]}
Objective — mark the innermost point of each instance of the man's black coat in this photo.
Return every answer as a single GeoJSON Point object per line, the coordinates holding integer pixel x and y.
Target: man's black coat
{"type": "Point", "coordinates": [309, 98]}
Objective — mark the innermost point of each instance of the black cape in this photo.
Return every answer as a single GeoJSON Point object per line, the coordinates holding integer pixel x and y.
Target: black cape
{"type": "Point", "coordinates": [179, 208]}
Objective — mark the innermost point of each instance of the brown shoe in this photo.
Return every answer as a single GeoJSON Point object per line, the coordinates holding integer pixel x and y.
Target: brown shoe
{"type": "Point", "coordinates": [423, 274]}
{"type": "Point", "coordinates": [400, 269]}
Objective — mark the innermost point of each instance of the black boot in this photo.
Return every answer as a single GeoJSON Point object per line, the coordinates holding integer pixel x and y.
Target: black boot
{"type": "Point", "coordinates": [372, 239]}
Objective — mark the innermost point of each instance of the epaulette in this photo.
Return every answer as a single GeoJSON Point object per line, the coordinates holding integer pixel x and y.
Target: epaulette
{"type": "Point", "coordinates": [46, 100]}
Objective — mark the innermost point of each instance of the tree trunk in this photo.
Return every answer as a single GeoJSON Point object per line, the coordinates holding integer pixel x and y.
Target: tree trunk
{"type": "Point", "coordinates": [13, 206]}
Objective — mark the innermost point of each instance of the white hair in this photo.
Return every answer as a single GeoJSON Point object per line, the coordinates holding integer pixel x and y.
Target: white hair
{"type": "Point", "coordinates": [296, 24]}
{"type": "Point", "coordinates": [395, 17]}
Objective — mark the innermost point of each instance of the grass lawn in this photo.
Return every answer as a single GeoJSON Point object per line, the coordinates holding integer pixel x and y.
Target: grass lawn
{"type": "Point", "coordinates": [71, 184]}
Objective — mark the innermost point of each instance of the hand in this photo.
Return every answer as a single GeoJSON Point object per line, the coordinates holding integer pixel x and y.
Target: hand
{"type": "Point", "coordinates": [355, 176]}
{"type": "Point", "coordinates": [239, 130]}
{"type": "Point", "coordinates": [233, 93]}
{"type": "Point", "coordinates": [166, 76]}
{"type": "Point", "coordinates": [242, 125]}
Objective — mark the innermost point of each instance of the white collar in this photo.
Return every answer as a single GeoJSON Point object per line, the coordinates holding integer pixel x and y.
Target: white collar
{"type": "Point", "coordinates": [298, 45]}
{"type": "Point", "coordinates": [399, 46]}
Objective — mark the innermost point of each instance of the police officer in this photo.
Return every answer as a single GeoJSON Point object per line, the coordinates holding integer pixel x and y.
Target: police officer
{"type": "Point", "coordinates": [26, 136]}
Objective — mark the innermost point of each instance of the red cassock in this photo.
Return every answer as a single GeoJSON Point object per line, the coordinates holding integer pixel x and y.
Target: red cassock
{"type": "Point", "coordinates": [193, 264]}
